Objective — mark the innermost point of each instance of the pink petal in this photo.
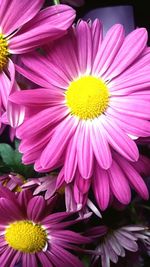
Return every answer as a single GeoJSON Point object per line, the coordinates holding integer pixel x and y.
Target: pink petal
{"type": "Point", "coordinates": [83, 32]}
{"type": "Point", "coordinates": [101, 187]}
{"type": "Point", "coordinates": [15, 13]}
{"type": "Point", "coordinates": [49, 24]}
{"type": "Point", "coordinates": [84, 151]}
{"type": "Point", "coordinates": [119, 140]}
{"type": "Point", "coordinates": [119, 184]}
{"type": "Point", "coordinates": [100, 145]}
{"type": "Point", "coordinates": [97, 35]}
{"type": "Point", "coordinates": [59, 142]}
{"type": "Point", "coordinates": [131, 48]}
{"type": "Point", "coordinates": [35, 209]}
{"type": "Point", "coordinates": [108, 50]}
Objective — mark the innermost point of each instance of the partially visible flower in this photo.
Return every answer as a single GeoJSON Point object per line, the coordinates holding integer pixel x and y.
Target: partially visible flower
{"type": "Point", "coordinates": [50, 186]}
{"type": "Point", "coordinates": [73, 2]}
{"type": "Point", "coordinates": [112, 244]}
{"type": "Point", "coordinates": [12, 181]}
{"type": "Point", "coordinates": [31, 234]}
{"type": "Point", "coordinates": [23, 27]}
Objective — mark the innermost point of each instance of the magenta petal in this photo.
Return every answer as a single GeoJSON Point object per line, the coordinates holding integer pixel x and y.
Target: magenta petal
{"type": "Point", "coordinates": [97, 36]}
{"type": "Point", "coordinates": [119, 184]}
{"type": "Point", "coordinates": [84, 151]}
{"type": "Point", "coordinates": [15, 13]}
{"type": "Point", "coordinates": [36, 208]}
{"type": "Point", "coordinates": [101, 187]}
{"type": "Point", "coordinates": [84, 47]}
{"type": "Point", "coordinates": [49, 24]}
{"type": "Point", "coordinates": [59, 142]}
{"type": "Point", "coordinates": [134, 178]}
{"type": "Point", "coordinates": [119, 140]}
{"type": "Point", "coordinates": [100, 145]}
{"type": "Point", "coordinates": [132, 47]}
{"type": "Point", "coordinates": [108, 50]}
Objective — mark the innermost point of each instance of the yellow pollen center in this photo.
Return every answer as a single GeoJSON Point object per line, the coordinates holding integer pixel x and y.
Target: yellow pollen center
{"type": "Point", "coordinates": [26, 236]}
{"type": "Point", "coordinates": [87, 97]}
{"type": "Point", "coordinates": [3, 52]}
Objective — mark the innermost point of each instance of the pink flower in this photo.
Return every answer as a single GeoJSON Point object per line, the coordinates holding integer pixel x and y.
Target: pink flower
{"type": "Point", "coordinates": [12, 181]}
{"type": "Point", "coordinates": [30, 233]}
{"type": "Point", "coordinates": [23, 27]}
{"type": "Point", "coordinates": [94, 96]}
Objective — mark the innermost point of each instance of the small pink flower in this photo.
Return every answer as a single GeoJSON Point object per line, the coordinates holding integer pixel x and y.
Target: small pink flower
{"type": "Point", "coordinates": [30, 233]}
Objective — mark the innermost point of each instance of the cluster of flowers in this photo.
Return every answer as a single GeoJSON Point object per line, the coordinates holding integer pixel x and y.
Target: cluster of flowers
{"type": "Point", "coordinates": [79, 104]}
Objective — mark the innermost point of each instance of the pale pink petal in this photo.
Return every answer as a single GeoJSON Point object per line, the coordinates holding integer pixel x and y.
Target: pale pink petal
{"type": "Point", "coordinates": [119, 184]}
{"type": "Point", "coordinates": [49, 24]}
{"type": "Point", "coordinates": [100, 145]}
{"type": "Point", "coordinates": [101, 187]}
{"type": "Point", "coordinates": [132, 47]}
{"type": "Point", "coordinates": [108, 50]}
{"type": "Point", "coordinates": [84, 47]}
{"type": "Point", "coordinates": [15, 13]}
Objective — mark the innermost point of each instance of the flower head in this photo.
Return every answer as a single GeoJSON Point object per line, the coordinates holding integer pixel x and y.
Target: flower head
{"type": "Point", "coordinates": [30, 233]}
{"type": "Point", "coordinates": [94, 97]}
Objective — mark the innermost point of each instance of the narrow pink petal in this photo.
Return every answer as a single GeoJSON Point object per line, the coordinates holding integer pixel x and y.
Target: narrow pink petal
{"type": "Point", "coordinates": [134, 178]}
{"type": "Point", "coordinates": [131, 48]}
{"type": "Point", "coordinates": [131, 125]}
{"type": "Point", "coordinates": [45, 261]}
{"type": "Point", "coordinates": [51, 75]}
{"type": "Point", "coordinates": [108, 50]}
{"type": "Point", "coordinates": [84, 151]}
{"type": "Point", "coordinates": [119, 184]}
{"type": "Point", "coordinates": [100, 145]}
{"type": "Point", "coordinates": [5, 87]}
{"type": "Point", "coordinates": [15, 13]}
{"type": "Point", "coordinates": [49, 24]}
{"type": "Point", "coordinates": [97, 36]}
{"type": "Point", "coordinates": [58, 143]}
{"type": "Point", "coordinates": [82, 184]}
{"type": "Point", "coordinates": [37, 97]}
{"type": "Point", "coordinates": [35, 208]}
{"type": "Point", "coordinates": [83, 32]}
{"type": "Point", "coordinates": [65, 55]}
{"type": "Point", "coordinates": [119, 139]}
{"type": "Point", "coordinates": [131, 105]}
{"type": "Point", "coordinates": [47, 117]}
{"type": "Point", "coordinates": [101, 187]}
{"type": "Point", "coordinates": [70, 164]}
{"type": "Point", "coordinates": [28, 259]}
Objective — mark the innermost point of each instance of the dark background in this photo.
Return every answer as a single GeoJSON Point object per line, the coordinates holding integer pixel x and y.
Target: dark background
{"type": "Point", "coordinates": [141, 9]}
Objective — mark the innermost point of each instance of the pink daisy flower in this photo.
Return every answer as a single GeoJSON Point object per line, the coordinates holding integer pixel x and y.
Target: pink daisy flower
{"type": "Point", "coordinates": [23, 27]}
{"type": "Point", "coordinates": [30, 233]}
{"type": "Point", "coordinates": [94, 96]}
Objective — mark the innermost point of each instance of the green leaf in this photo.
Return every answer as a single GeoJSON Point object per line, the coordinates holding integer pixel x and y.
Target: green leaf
{"type": "Point", "coordinates": [7, 154]}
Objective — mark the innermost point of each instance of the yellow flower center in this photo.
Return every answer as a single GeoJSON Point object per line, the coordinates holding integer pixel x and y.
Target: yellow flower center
{"type": "Point", "coordinates": [87, 97]}
{"type": "Point", "coordinates": [26, 236]}
{"type": "Point", "coordinates": [3, 52]}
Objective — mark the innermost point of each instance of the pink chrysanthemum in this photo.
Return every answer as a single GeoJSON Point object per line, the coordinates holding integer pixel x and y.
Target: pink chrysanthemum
{"type": "Point", "coordinates": [31, 234]}
{"type": "Point", "coordinates": [95, 96]}
{"type": "Point", "coordinates": [22, 29]}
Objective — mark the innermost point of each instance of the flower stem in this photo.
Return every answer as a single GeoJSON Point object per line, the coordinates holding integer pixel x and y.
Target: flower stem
{"type": "Point", "coordinates": [56, 2]}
